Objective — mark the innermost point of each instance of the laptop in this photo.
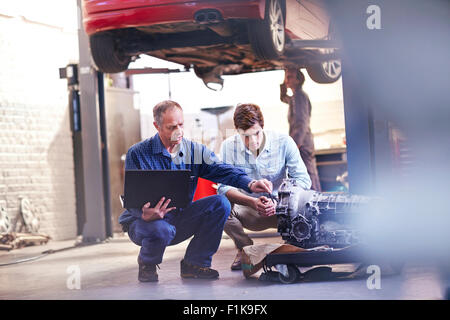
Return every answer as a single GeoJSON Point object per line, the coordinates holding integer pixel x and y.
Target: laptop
{"type": "Point", "coordinates": [142, 186]}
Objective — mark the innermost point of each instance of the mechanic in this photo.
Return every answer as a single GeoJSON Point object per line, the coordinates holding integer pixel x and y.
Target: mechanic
{"type": "Point", "coordinates": [299, 115]}
{"type": "Point", "coordinates": [156, 226]}
{"type": "Point", "coordinates": [262, 155]}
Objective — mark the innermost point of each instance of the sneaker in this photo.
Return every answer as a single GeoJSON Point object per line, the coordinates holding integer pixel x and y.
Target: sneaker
{"type": "Point", "coordinates": [147, 272]}
{"type": "Point", "coordinates": [192, 271]}
{"type": "Point", "coordinates": [236, 265]}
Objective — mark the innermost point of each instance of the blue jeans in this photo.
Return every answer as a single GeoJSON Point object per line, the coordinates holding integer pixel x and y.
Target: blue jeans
{"type": "Point", "coordinates": [204, 219]}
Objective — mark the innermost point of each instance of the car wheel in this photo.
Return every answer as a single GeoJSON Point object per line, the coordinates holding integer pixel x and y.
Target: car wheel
{"type": "Point", "coordinates": [328, 71]}
{"type": "Point", "coordinates": [105, 54]}
{"type": "Point", "coordinates": [267, 36]}
{"type": "Point", "coordinates": [293, 276]}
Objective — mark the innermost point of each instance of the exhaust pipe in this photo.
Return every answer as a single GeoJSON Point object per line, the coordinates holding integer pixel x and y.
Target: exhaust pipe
{"type": "Point", "coordinates": [207, 16]}
{"type": "Point", "coordinates": [214, 20]}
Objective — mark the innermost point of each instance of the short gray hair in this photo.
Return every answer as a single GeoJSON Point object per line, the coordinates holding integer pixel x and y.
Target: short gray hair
{"type": "Point", "coordinates": [162, 107]}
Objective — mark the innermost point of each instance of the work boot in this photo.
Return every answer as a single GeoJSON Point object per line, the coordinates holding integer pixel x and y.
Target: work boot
{"type": "Point", "coordinates": [147, 272]}
{"type": "Point", "coordinates": [192, 271]}
{"type": "Point", "coordinates": [236, 265]}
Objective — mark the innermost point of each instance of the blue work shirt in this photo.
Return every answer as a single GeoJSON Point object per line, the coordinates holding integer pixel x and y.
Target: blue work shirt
{"type": "Point", "coordinates": [279, 159]}
{"type": "Point", "coordinates": [151, 154]}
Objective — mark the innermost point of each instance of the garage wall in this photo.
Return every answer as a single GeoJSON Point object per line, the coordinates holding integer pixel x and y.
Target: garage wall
{"type": "Point", "coordinates": [36, 153]}
{"type": "Point", "coordinates": [123, 127]}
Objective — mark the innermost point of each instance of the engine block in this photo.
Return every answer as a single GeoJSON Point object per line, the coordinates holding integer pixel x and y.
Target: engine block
{"type": "Point", "coordinates": [307, 218]}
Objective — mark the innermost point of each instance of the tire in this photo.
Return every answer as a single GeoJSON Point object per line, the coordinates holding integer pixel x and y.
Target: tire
{"type": "Point", "coordinates": [5, 223]}
{"type": "Point", "coordinates": [267, 37]}
{"type": "Point", "coordinates": [328, 71]}
{"type": "Point", "coordinates": [294, 275]}
{"type": "Point", "coordinates": [105, 54]}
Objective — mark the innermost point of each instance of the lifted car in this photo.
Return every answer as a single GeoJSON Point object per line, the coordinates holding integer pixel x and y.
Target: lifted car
{"type": "Point", "coordinates": [214, 37]}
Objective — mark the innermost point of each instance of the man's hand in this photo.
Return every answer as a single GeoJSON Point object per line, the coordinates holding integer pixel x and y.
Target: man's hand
{"type": "Point", "coordinates": [264, 206]}
{"type": "Point", "coordinates": [262, 185]}
{"type": "Point", "coordinates": [156, 213]}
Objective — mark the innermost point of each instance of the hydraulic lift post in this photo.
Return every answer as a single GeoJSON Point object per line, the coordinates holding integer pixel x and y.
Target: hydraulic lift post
{"type": "Point", "coordinates": [93, 155]}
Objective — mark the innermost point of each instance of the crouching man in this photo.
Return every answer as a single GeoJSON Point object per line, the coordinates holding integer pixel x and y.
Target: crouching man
{"type": "Point", "coordinates": [262, 155]}
{"type": "Point", "coordinates": [157, 225]}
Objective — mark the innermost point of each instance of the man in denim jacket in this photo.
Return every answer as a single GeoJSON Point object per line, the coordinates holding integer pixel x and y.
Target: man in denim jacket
{"type": "Point", "coordinates": [262, 155]}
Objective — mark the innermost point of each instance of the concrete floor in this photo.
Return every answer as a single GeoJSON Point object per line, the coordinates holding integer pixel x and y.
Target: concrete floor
{"type": "Point", "coordinates": [109, 271]}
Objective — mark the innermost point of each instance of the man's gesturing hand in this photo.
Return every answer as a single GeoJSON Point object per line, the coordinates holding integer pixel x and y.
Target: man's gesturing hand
{"type": "Point", "coordinates": [156, 213]}
{"type": "Point", "coordinates": [262, 185]}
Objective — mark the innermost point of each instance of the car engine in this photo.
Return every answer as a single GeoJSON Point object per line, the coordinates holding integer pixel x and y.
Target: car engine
{"type": "Point", "coordinates": [308, 219]}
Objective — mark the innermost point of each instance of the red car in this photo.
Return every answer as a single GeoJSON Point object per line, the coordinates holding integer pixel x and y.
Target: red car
{"type": "Point", "coordinates": [214, 37]}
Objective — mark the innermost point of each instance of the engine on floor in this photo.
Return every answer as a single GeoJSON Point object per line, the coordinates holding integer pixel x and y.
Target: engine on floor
{"type": "Point", "coordinates": [307, 218]}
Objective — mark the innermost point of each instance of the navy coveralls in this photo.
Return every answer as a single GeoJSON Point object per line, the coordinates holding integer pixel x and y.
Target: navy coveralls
{"type": "Point", "coordinates": [204, 219]}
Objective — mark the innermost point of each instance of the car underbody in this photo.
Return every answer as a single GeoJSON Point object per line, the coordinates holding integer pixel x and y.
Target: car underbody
{"type": "Point", "coordinates": [213, 49]}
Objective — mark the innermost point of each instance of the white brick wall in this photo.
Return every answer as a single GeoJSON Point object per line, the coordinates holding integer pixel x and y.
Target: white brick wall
{"type": "Point", "coordinates": [36, 153]}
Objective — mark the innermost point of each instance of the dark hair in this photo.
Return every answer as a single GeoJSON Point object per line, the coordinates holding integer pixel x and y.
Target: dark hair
{"type": "Point", "coordinates": [162, 107]}
{"type": "Point", "coordinates": [298, 74]}
{"type": "Point", "coordinates": [300, 77]}
{"type": "Point", "coordinates": [247, 115]}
